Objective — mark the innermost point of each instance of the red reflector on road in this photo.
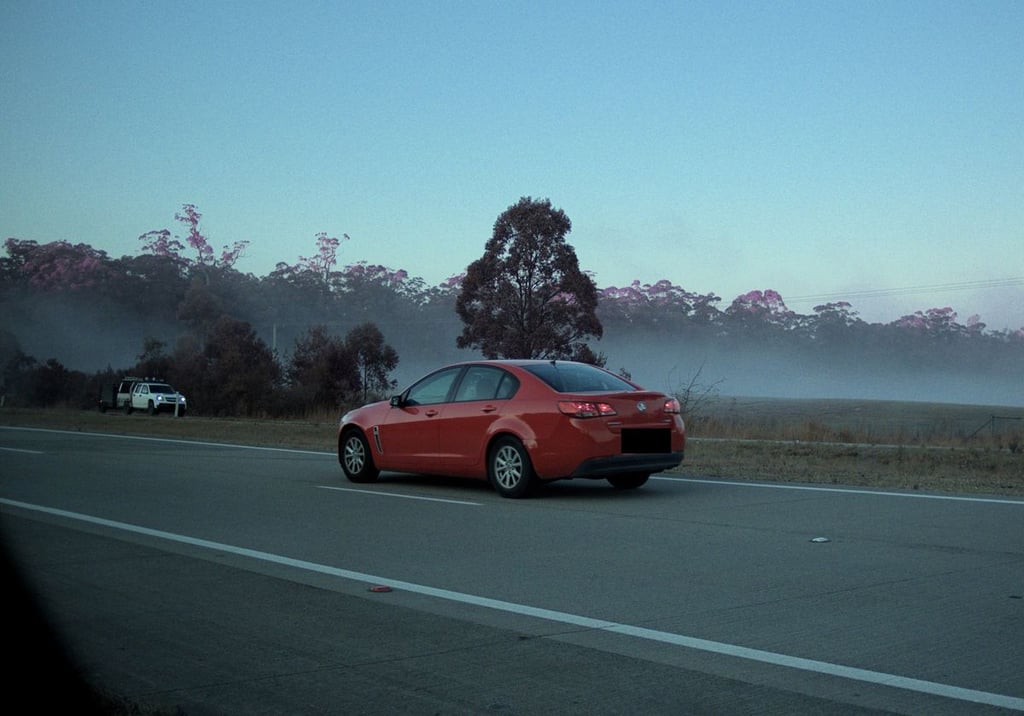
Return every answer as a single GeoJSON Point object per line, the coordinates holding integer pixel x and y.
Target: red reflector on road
{"type": "Point", "coordinates": [380, 588]}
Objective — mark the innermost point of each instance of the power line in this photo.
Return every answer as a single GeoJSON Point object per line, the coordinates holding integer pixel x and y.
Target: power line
{"type": "Point", "coordinates": [911, 290]}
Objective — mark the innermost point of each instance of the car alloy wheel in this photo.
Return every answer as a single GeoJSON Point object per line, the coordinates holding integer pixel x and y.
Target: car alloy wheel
{"type": "Point", "coordinates": [509, 468]}
{"type": "Point", "coordinates": [355, 457]}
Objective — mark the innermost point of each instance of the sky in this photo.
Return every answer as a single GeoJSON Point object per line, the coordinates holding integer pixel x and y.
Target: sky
{"type": "Point", "coordinates": [863, 151]}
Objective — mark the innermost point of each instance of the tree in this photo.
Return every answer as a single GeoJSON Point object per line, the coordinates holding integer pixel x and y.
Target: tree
{"type": "Point", "coordinates": [200, 309]}
{"type": "Point", "coordinates": [322, 371]}
{"type": "Point", "coordinates": [374, 358]}
{"type": "Point", "coordinates": [233, 373]}
{"type": "Point", "coordinates": [55, 266]}
{"type": "Point", "coordinates": [16, 379]}
{"type": "Point", "coordinates": [526, 297]}
{"type": "Point", "coordinates": [322, 265]}
{"type": "Point", "coordinates": [153, 361]}
{"type": "Point", "coordinates": [159, 242]}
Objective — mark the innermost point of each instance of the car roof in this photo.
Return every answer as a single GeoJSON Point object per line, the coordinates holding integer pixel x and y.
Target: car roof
{"type": "Point", "coordinates": [519, 362]}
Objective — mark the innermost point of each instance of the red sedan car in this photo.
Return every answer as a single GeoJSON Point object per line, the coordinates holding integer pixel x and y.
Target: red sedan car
{"type": "Point", "coordinates": [514, 423]}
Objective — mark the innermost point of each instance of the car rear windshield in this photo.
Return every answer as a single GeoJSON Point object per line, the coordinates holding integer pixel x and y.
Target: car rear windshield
{"type": "Point", "coordinates": [578, 378]}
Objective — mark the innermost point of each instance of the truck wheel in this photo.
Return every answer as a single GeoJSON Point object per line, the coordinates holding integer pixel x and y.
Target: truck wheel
{"type": "Point", "coordinates": [128, 407]}
{"type": "Point", "coordinates": [151, 409]}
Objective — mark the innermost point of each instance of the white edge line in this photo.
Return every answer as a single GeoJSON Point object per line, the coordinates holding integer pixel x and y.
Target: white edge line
{"type": "Point", "coordinates": [377, 493]}
{"type": "Point", "coordinates": [29, 452]}
{"type": "Point", "coordinates": [843, 490]}
{"type": "Point", "coordinates": [741, 652]}
{"type": "Point", "coordinates": [165, 440]}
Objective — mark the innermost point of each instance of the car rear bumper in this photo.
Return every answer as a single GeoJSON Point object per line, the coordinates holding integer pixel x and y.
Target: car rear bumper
{"type": "Point", "coordinates": [601, 467]}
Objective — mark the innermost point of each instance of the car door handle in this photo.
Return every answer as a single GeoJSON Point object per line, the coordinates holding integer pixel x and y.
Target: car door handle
{"type": "Point", "coordinates": [488, 409]}
{"type": "Point", "coordinates": [430, 413]}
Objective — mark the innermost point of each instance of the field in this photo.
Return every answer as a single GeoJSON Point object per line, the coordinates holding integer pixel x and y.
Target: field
{"type": "Point", "coordinates": [912, 446]}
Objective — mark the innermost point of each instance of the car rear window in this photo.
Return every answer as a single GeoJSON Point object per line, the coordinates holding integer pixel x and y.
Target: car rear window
{"type": "Point", "coordinates": [578, 378]}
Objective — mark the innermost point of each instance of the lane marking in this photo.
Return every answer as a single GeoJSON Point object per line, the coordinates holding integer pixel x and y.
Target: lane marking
{"type": "Point", "coordinates": [175, 441]}
{"type": "Point", "coordinates": [843, 490]}
{"type": "Point", "coordinates": [30, 452]}
{"type": "Point", "coordinates": [741, 652]}
{"type": "Point", "coordinates": [735, 483]}
{"type": "Point", "coordinates": [396, 494]}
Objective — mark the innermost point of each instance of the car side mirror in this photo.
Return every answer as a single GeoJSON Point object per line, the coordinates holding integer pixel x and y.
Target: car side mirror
{"type": "Point", "coordinates": [396, 401]}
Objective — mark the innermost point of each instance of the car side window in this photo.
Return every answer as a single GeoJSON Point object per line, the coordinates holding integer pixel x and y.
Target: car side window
{"type": "Point", "coordinates": [483, 382]}
{"type": "Point", "coordinates": [507, 387]}
{"type": "Point", "coordinates": [433, 389]}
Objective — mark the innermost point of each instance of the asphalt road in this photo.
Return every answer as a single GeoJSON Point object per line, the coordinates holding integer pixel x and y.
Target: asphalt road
{"type": "Point", "coordinates": [232, 580]}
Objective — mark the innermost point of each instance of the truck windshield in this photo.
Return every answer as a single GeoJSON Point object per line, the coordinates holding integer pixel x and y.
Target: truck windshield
{"type": "Point", "coordinates": [160, 388]}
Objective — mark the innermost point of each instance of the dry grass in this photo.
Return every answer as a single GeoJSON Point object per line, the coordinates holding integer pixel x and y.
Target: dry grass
{"type": "Point", "coordinates": [938, 469]}
{"type": "Point", "coordinates": [874, 444]}
{"type": "Point", "coordinates": [918, 446]}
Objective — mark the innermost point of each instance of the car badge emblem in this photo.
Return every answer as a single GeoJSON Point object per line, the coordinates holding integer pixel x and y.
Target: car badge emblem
{"type": "Point", "coordinates": [641, 406]}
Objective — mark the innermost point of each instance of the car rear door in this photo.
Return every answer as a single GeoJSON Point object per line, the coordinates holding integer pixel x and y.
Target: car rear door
{"type": "Point", "coordinates": [479, 400]}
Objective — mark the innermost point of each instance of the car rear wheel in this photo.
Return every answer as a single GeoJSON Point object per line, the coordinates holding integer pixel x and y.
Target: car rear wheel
{"type": "Point", "coordinates": [356, 460]}
{"type": "Point", "coordinates": [509, 469]}
{"type": "Point", "coordinates": [628, 482]}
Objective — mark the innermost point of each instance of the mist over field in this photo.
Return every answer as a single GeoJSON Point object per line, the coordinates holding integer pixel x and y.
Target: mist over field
{"type": "Point", "coordinates": [67, 307]}
{"type": "Point", "coordinates": [780, 373]}
{"type": "Point", "coordinates": [90, 337]}
{"type": "Point", "coordinates": [730, 367]}
{"type": "Point", "coordinates": [83, 335]}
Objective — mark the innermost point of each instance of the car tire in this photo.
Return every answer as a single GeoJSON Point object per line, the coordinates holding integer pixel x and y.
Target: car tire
{"type": "Point", "coordinates": [509, 469]}
{"type": "Point", "coordinates": [355, 457]}
{"type": "Point", "coordinates": [151, 409]}
{"type": "Point", "coordinates": [127, 407]}
{"type": "Point", "coordinates": [628, 482]}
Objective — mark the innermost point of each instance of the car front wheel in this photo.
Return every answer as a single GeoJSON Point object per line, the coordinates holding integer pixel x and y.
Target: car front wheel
{"type": "Point", "coordinates": [628, 482]}
{"type": "Point", "coordinates": [509, 469]}
{"type": "Point", "coordinates": [356, 460]}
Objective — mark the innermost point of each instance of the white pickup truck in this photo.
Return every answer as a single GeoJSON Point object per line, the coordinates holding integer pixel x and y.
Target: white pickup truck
{"type": "Point", "coordinates": [155, 397]}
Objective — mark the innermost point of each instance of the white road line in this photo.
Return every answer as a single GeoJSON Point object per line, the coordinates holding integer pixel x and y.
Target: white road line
{"type": "Point", "coordinates": [167, 440]}
{"type": "Point", "coordinates": [740, 652]}
{"type": "Point", "coordinates": [30, 452]}
{"type": "Point", "coordinates": [844, 490]}
{"type": "Point", "coordinates": [735, 483]}
{"type": "Point", "coordinates": [378, 493]}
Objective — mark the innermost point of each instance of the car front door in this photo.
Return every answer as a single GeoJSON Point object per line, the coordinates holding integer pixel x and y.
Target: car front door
{"type": "Point", "coordinates": [409, 435]}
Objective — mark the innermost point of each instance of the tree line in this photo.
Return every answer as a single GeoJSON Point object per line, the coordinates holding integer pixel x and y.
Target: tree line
{"type": "Point", "coordinates": [317, 334]}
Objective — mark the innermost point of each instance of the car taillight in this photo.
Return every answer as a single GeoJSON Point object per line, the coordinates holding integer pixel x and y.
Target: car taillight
{"type": "Point", "coordinates": [585, 409]}
{"type": "Point", "coordinates": [672, 407]}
